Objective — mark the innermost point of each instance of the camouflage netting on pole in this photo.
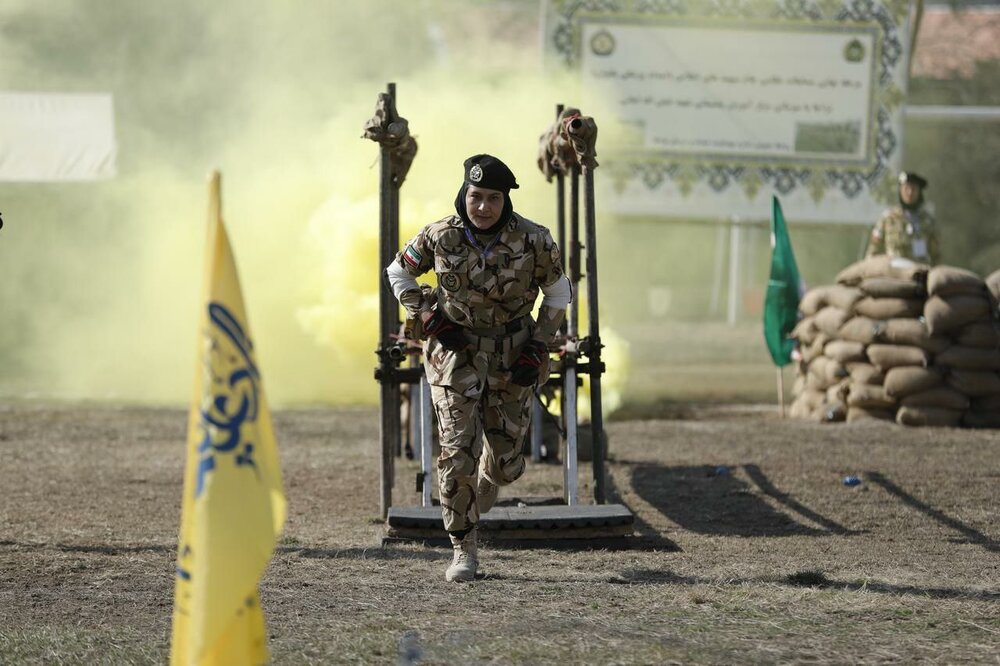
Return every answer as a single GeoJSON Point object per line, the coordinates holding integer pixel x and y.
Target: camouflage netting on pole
{"type": "Point", "coordinates": [898, 340]}
{"type": "Point", "coordinates": [390, 130]}
{"type": "Point", "coordinates": [570, 142]}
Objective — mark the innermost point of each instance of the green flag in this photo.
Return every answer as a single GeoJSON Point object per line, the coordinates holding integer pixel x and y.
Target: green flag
{"type": "Point", "coordinates": [781, 304]}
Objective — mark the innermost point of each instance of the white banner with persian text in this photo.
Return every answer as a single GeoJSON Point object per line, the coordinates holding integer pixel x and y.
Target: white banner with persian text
{"type": "Point", "coordinates": [705, 112]}
{"type": "Point", "coordinates": [49, 137]}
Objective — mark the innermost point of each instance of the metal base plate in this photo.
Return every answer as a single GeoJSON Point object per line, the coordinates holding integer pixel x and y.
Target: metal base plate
{"type": "Point", "coordinates": [520, 522]}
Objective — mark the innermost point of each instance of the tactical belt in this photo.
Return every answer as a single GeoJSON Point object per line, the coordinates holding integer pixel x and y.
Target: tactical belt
{"type": "Point", "coordinates": [500, 338]}
{"type": "Point", "coordinates": [506, 329]}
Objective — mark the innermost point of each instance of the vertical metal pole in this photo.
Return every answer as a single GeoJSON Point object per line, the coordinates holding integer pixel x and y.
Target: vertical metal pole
{"type": "Point", "coordinates": [594, 353]}
{"type": "Point", "coordinates": [717, 268]}
{"type": "Point", "coordinates": [574, 249]}
{"type": "Point", "coordinates": [561, 222]}
{"type": "Point", "coordinates": [569, 359]}
{"type": "Point", "coordinates": [536, 429]}
{"type": "Point", "coordinates": [389, 391]}
{"type": "Point", "coordinates": [570, 473]}
{"type": "Point", "coordinates": [561, 207]}
{"type": "Point", "coordinates": [412, 435]}
{"type": "Point", "coordinates": [393, 322]}
{"type": "Point", "coordinates": [734, 271]}
{"type": "Point", "coordinates": [426, 439]}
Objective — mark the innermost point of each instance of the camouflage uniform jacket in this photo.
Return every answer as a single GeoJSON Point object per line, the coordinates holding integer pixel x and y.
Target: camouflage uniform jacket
{"type": "Point", "coordinates": [482, 287]}
{"type": "Point", "coordinates": [902, 233]}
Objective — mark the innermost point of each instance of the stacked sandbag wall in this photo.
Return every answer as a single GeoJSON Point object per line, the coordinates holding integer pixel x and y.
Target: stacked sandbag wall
{"type": "Point", "coordinates": [897, 340]}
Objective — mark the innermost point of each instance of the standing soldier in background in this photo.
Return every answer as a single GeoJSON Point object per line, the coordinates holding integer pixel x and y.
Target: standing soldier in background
{"type": "Point", "coordinates": [483, 354]}
{"type": "Point", "coordinates": [907, 230]}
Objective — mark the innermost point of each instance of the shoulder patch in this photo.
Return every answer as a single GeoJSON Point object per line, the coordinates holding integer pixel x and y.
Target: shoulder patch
{"type": "Point", "coordinates": [412, 257]}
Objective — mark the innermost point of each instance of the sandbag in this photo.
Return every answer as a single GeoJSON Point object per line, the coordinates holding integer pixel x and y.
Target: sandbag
{"type": "Point", "coordinates": [844, 351]}
{"type": "Point", "coordinates": [929, 416]}
{"type": "Point", "coordinates": [882, 266]}
{"type": "Point", "coordinates": [843, 297]}
{"type": "Point", "coordinates": [887, 308]}
{"type": "Point", "coordinates": [805, 330]}
{"type": "Point", "coordinates": [891, 356]}
{"type": "Point", "coordinates": [811, 399]}
{"type": "Point", "coordinates": [828, 370]}
{"type": "Point", "coordinates": [993, 284]}
{"type": "Point", "coordinates": [947, 281]}
{"type": "Point", "coordinates": [814, 349]}
{"type": "Point", "coordinates": [912, 332]}
{"type": "Point", "coordinates": [830, 319]}
{"type": "Point", "coordinates": [969, 358]}
{"type": "Point", "coordinates": [855, 414]}
{"type": "Point", "coordinates": [869, 396]}
{"type": "Point", "coordinates": [835, 412]}
{"type": "Point", "coordinates": [907, 380]}
{"type": "Point", "coordinates": [800, 408]}
{"type": "Point", "coordinates": [813, 300]}
{"type": "Point", "coordinates": [887, 287]}
{"type": "Point", "coordinates": [987, 403]}
{"type": "Point", "coordinates": [974, 383]}
{"type": "Point", "coordinates": [865, 373]}
{"type": "Point", "coordinates": [861, 329]}
{"type": "Point", "coordinates": [973, 419]}
{"type": "Point", "coordinates": [940, 396]}
{"type": "Point", "coordinates": [980, 334]}
{"type": "Point", "coordinates": [838, 392]}
{"type": "Point", "coordinates": [946, 315]}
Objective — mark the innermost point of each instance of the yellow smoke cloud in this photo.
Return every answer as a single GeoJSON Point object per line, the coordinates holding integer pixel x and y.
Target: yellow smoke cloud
{"type": "Point", "coordinates": [117, 318]}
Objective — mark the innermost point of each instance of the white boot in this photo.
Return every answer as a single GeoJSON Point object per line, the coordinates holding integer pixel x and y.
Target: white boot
{"type": "Point", "coordinates": [486, 493]}
{"type": "Point", "coordinates": [465, 563]}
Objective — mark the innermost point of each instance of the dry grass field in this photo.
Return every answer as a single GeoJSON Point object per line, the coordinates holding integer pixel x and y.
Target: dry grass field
{"type": "Point", "coordinates": [775, 561]}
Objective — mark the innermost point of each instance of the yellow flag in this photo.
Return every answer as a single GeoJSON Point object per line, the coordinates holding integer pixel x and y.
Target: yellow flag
{"type": "Point", "coordinates": [233, 506]}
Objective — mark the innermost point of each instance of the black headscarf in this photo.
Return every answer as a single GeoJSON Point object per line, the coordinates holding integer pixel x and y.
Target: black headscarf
{"type": "Point", "coordinates": [919, 181]}
{"type": "Point", "coordinates": [491, 173]}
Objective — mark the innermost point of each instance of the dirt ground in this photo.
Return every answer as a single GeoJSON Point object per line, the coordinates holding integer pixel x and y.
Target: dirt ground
{"type": "Point", "coordinates": [772, 559]}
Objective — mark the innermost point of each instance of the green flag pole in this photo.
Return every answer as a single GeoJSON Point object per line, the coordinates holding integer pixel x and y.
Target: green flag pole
{"type": "Point", "coordinates": [781, 391]}
{"type": "Point", "coordinates": [781, 303]}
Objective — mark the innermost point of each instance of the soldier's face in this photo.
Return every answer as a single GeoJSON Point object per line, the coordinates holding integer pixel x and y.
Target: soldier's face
{"type": "Point", "coordinates": [909, 193]}
{"type": "Point", "coordinates": [483, 206]}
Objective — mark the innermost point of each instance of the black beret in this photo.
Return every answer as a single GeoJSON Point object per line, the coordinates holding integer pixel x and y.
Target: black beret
{"type": "Point", "coordinates": [489, 172]}
{"type": "Point", "coordinates": [910, 177]}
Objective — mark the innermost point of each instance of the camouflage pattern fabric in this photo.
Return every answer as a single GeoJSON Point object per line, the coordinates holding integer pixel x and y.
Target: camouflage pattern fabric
{"type": "Point", "coordinates": [480, 287]}
{"type": "Point", "coordinates": [555, 150]}
{"type": "Point", "coordinates": [472, 397]}
{"type": "Point", "coordinates": [902, 233]}
{"type": "Point", "coordinates": [391, 130]}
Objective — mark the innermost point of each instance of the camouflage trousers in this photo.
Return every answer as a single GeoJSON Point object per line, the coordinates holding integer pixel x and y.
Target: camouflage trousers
{"type": "Point", "coordinates": [472, 397]}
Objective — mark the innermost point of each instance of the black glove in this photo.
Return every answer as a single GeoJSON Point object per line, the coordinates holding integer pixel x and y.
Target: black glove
{"type": "Point", "coordinates": [448, 334]}
{"type": "Point", "coordinates": [524, 371]}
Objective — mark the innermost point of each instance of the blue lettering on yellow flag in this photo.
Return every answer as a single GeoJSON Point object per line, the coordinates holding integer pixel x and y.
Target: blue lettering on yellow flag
{"type": "Point", "coordinates": [235, 395]}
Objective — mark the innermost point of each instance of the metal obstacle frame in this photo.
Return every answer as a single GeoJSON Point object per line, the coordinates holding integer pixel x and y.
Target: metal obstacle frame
{"type": "Point", "coordinates": [573, 519]}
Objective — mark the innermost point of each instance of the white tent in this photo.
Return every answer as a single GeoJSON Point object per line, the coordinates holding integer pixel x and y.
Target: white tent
{"type": "Point", "coordinates": [47, 137]}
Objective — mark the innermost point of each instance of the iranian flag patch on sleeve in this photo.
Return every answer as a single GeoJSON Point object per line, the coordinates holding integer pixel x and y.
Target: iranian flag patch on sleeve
{"type": "Point", "coordinates": [411, 256]}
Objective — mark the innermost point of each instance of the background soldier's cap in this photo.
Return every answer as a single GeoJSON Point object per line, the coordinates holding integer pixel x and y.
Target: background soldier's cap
{"type": "Point", "coordinates": [910, 177]}
{"type": "Point", "coordinates": [489, 172]}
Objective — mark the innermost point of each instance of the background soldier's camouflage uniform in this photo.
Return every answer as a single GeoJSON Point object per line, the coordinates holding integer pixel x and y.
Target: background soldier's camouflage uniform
{"type": "Point", "coordinates": [470, 389]}
{"type": "Point", "coordinates": [895, 232]}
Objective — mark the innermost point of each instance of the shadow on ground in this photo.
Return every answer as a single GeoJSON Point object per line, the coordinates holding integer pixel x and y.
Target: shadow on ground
{"type": "Point", "coordinates": [707, 499]}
